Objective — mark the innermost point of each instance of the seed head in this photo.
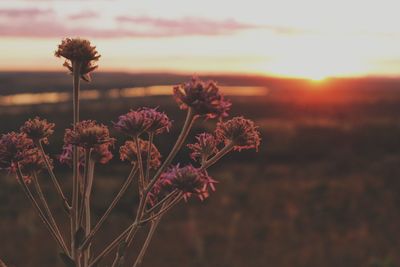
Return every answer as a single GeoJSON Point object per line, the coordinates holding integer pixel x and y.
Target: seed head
{"type": "Point", "coordinates": [242, 132]}
{"type": "Point", "coordinates": [203, 97]}
{"type": "Point", "coordinates": [129, 152]}
{"type": "Point", "coordinates": [38, 129]}
{"type": "Point", "coordinates": [88, 134]}
{"type": "Point", "coordinates": [102, 154]}
{"type": "Point", "coordinates": [205, 147]}
{"type": "Point", "coordinates": [80, 51]}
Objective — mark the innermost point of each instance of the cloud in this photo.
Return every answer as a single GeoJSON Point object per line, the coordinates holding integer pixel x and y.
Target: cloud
{"type": "Point", "coordinates": [83, 15]}
{"type": "Point", "coordinates": [24, 13]}
{"type": "Point", "coordinates": [186, 26]}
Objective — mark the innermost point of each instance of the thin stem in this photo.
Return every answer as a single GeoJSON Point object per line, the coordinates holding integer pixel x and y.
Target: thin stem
{"type": "Point", "coordinates": [190, 119]}
{"type": "Point", "coordinates": [121, 192]}
{"type": "Point", "coordinates": [164, 209]}
{"type": "Point", "coordinates": [151, 137]}
{"type": "Point", "coordinates": [111, 246]}
{"type": "Point", "coordinates": [75, 165]}
{"type": "Point", "coordinates": [86, 255]}
{"type": "Point", "coordinates": [85, 185]}
{"type": "Point", "coordinates": [140, 163]}
{"type": "Point", "coordinates": [66, 205]}
{"type": "Point", "coordinates": [168, 197]}
{"type": "Point", "coordinates": [46, 208]}
{"type": "Point", "coordinates": [143, 250]}
{"type": "Point", "coordinates": [227, 148]}
{"type": "Point", "coordinates": [39, 211]}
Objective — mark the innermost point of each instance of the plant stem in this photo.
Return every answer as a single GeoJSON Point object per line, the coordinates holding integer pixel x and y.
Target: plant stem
{"type": "Point", "coordinates": [39, 211]}
{"type": "Point", "coordinates": [111, 246]}
{"type": "Point", "coordinates": [85, 185]}
{"type": "Point", "coordinates": [168, 197]}
{"type": "Point", "coordinates": [167, 206]}
{"type": "Point", "coordinates": [75, 164]}
{"type": "Point", "coordinates": [66, 205]}
{"type": "Point", "coordinates": [121, 192]}
{"type": "Point", "coordinates": [46, 208]}
{"type": "Point", "coordinates": [152, 230]}
{"type": "Point", "coordinates": [151, 137]}
{"type": "Point", "coordinates": [140, 163]}
{"type": "Point", "coordinates": [227, 148]}
{"type": "Point", "coordinates": [86, 255]}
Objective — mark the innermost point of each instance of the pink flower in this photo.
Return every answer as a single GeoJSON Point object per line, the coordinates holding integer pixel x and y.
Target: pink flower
{"type": "Point", "coordinates": [205, 147]}
{"type": "Point", "coordinates": [129, 152]}
{"type": "Point", "coordinates": [102, 154]}
{"type": "Point", "coordinates": [12, 146]}
{"type": "Point", "coordinates": [38, 129]}
{"type": "Point", "coordinates": [133, 123]}
{"type": "Point", "coordinates": [242, 132]}
{"type": "Point", "coordinates": [88, 134]}
{"type": "Point", "coordinates": [158, 122]}
{"type": "Point", "coordinates": [32, 162]}
{"type": "Point", "coordinates": [76, 50]}
{"type": "Point", "coordinates": [188, 180]}
{"type": "Point", "coordinates": [203, 97]}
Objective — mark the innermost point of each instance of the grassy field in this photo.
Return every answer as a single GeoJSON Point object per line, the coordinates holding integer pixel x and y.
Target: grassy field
{"type": "Point", "coordinates": [323, 190]}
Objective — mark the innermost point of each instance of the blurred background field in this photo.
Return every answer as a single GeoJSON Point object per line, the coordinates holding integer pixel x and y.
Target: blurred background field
{"type": "Point", "coordinates": [323, 190]}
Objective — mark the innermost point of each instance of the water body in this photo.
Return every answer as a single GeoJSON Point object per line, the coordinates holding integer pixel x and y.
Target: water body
{"type": "Point", "coordinates": [55, 97]}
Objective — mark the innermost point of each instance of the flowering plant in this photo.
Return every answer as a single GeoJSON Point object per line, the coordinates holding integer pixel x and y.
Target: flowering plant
{"type": "Point", "coordinates": [160, 184]}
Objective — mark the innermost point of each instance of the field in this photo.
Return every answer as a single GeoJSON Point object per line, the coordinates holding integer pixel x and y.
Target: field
{"type": "Point", "coordinates": [323, 190]}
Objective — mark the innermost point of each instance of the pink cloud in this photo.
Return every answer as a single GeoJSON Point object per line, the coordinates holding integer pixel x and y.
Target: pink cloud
{"type": "Point", "coordinates": [25, 13]}
{"type": "Point", "coordinates": [187, 26]}
{"type": "Point", "coordinates": [84, 15]}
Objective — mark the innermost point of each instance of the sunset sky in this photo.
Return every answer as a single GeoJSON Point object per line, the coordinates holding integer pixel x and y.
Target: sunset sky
{"type": "Point", "coordinates": [309, 38]}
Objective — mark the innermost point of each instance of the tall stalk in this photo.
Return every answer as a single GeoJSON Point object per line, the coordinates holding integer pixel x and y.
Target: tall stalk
{"type": "Point", "coordinates": [75, 164]}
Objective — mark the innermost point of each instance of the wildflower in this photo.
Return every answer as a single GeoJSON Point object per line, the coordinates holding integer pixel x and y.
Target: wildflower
{"type": "Point", "coordinates": [80, 51]}
{"type": "Point", "coordinates": [133, 123]}
{"type": "Point", "coordinates": [102, 154]}
{"type": "Point", "coordinates": [129, 152]}
{"type": "Point", "coordinates": [12, 146]}
{"type": "Point", "coordinates": [205, 147]}
{"type": "Point", "coordinates": [242, 132]}
{"type": "Point", "coordinates": [158, 122]}
{"type": "Point", "coordinates": [188, 180]}
{"type": "Point", "coordinates": [88, 134]}
{"type": "Point", "coordinates": [38, 129]}
{"type": "Point", "coordinates": [203, 97]}
{"type": "Point", "coordinates": [32, 162]}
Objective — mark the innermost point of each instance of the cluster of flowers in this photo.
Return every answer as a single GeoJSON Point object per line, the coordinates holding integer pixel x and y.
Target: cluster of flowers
{"type": "Point", "coordinates": [18, 149]}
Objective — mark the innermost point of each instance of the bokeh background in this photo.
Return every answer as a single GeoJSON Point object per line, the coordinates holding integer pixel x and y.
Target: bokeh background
{"type": "Point", "coordinates": [323, 189]}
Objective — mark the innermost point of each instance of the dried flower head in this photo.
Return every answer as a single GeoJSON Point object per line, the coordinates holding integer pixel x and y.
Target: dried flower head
{"type": "Point", "coordinates": [203, 97]}
{"type": "Point", "coordinates": [88, 134]}
{"type": "Point", "coordinates": [188, 180]}
{"type": "Point", "coordinates": [38, 129]}
{"type": "Point", "coordinates": [205, 147]}
{"type": "Point", "coordinates": [129, 152]}
{"type": "Point", "coordinates": [12, 146]}
{"type": "Point", "coordinates": [242, 132]}
{"type": "Point", "coordinates": [80, 52]}
{"type": "Point", "coordinates": [32, 162]}
{"type": "Point", "coordinates": [102, 153]}
{"type": "Point", "coordinates": [158, 122]}
{"type": "Point", "coordinates": [133, 123]}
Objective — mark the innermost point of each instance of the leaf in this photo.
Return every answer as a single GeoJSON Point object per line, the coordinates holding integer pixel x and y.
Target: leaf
{"type": "Point", "coordinates": [67, 260]}
{"type": "Point", "coordinates": [79, 237]}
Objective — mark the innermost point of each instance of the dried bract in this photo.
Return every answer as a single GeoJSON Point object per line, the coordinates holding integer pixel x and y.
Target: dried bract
{"type": "Point", "coordinates": [205, 147]}
{"type": "Point", "coordinates": [88, 134]}
{"type": "Point", "coordinates": [129, 152]}
{"type": "Point", "coordinates": [38, 129]}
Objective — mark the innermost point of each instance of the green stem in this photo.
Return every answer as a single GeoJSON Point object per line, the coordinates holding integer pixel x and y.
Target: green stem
{"type": "Point", "coordinates": [140, 163]}
{"type": "Point", "coordinates": [227, 148]}
{"type": "Point", "coordinates": [86, 255]}
{"type": "Point", "coordinates": [151, 137]}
